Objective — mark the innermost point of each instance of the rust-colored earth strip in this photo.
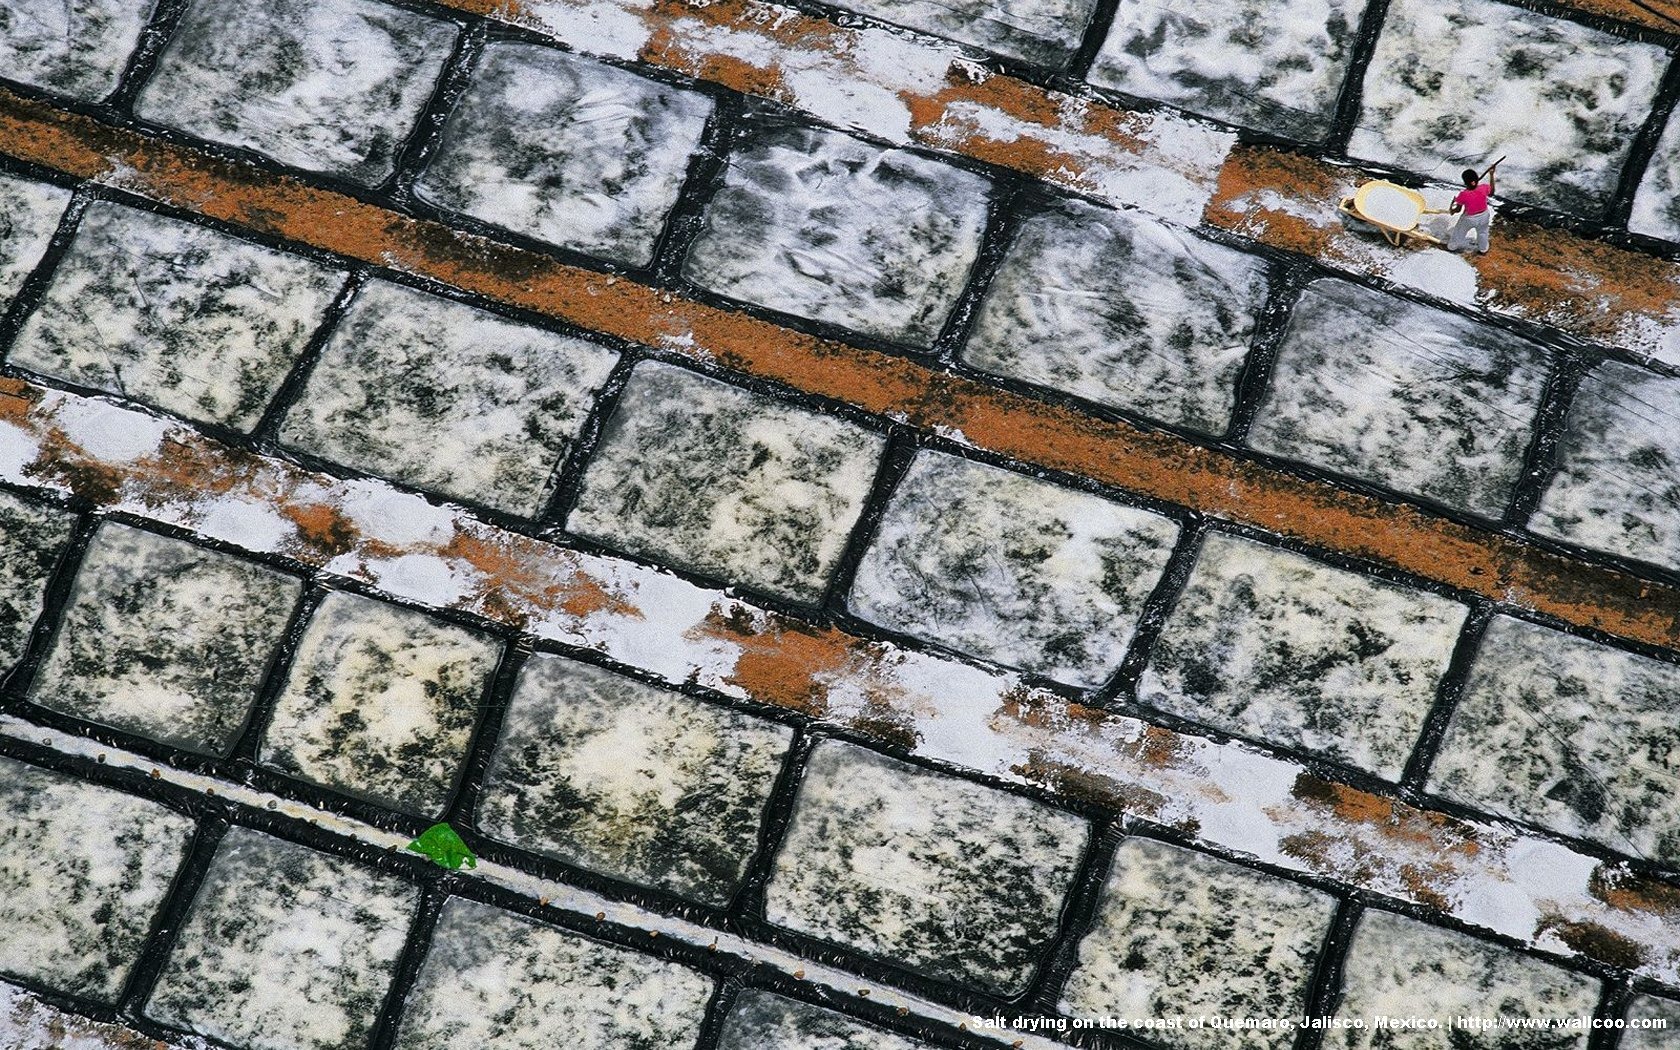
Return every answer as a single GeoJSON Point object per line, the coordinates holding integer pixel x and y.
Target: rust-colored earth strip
{"type": "Point", "coordinates": [1661, 15]}
{"type": "Point", "coordinates": [987, 721]}
{"type": "Point", "coordinates": [1145, 462]}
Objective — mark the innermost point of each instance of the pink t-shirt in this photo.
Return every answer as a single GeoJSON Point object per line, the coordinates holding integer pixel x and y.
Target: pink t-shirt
{"type": "Point", "coordinates": [1474, 199]}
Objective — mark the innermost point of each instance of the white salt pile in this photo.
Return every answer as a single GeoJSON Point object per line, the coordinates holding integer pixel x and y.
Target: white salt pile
{"type": "Point", "coordinates": [1390, 206]}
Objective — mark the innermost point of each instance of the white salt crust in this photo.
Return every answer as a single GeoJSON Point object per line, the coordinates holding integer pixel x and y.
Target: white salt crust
{"type": "Point", "coordinates": [27, 1021]}
{"type": "Point", "coordinates": [1011, 568]}
{"type": "Point", "coordinates": [1124, 311]}
{"type": "Point", "coordinates": [436, 394]}
{"type": "Point", "coordinates": [829, 227]}
{"type": "Point", "coordinates": [1399, 967]}
{"type": "Point", "coordinates": [762, 1021]}
{"type": "Point", "coordinates": [165, 639]}
{"type": "Point", "coordinates": [1046, 32]}
{"type": "Point", "coordinates": [83, 872]}
{"type": "Point", "coordinates": [1459, 83]}
{"type": "Point", "coordinates": [1656, 204]}
{"type": "Point", "coordinates": [945, 876]}
{"type": "Point", "coordinates": [1163, 163]}
{"type": "Point", "coordinates": [31, 536]}
{"type": "Point", "coordinates": [77, 49]}
{"type": "Point", "coordinates": [1617, 485]}
{"type": "Point", "coordinates": [284, 948]}
{"type": "Point", "coordinates": [1273, 66]}
{"type": "Point", "coordinates": [630, 780]}
{"type": "Point", "coordinates": [1651, 1008]}
{"type": "Point", "coordinates": [1404, 395]}
{"type": "Point", "coordinates": [1181, 934]}
{"type": "Point", "coordinates": [494, 979]}
{"type": "Point", "coordinates": [380, 703]}
{"type": "Point", "coordinates": [727, 482]}
{"type": "Point", "coordinates": [567, 150]}
{"type": "Point", "coordinates": [1573, 735]}
{"type": "Point", "coordinates": [1271, 644]}
{"type": "Point", "coordinates": [175, 314]}
{"type": "Point", "coordinates": [29, 213]}
{"type": "Point", "coordinates": [562, 898]}
{"type": "Point", "coordinates": [325, 85]}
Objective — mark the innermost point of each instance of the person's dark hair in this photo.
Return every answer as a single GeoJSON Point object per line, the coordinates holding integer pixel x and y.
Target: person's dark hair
{"type": "Point", "coordinates": [1470, 177]}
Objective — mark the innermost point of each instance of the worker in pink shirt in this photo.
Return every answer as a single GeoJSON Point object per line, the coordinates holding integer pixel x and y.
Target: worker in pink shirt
{"type": "Point", "coordinates": [1471, 207]}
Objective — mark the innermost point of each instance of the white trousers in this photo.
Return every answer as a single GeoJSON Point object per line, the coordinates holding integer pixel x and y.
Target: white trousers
{"type": "Point", "coordinates": [1470, 228]}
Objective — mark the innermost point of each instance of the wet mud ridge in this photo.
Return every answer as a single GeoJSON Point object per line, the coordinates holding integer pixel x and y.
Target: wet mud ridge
{"type": "Point", "coordinates": [867, 521]}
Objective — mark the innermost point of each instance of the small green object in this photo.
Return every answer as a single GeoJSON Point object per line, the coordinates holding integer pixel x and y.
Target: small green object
{"type": "Point", "coordinates": [440, 843]}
